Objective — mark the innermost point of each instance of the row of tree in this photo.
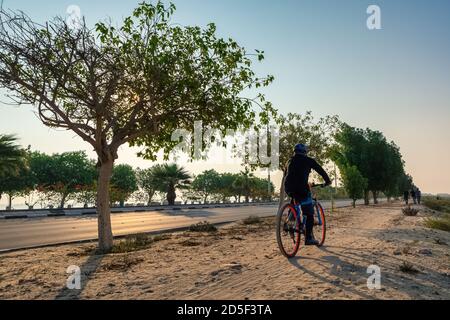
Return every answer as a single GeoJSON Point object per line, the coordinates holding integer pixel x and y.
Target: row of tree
{"type": "Point", "coordinates": [368, 163]}
{"type": "Point", "coordinates": [57, 178]}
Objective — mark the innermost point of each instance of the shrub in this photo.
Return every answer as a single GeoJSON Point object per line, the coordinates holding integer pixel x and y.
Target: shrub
{"type": "Point", "coordinates": [407, 267]}
{"type": "Point", "coordinates": [203, 227]}
{"type": "Point", "coordinates": [137, 242]}
{"type": "Point", "coordinates": [252, 220]}
{"type": "Point", "coordinates": [408, 211]}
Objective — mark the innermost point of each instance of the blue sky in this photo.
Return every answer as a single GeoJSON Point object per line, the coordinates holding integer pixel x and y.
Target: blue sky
{"type": "Point", "coordinates": [324, 59]}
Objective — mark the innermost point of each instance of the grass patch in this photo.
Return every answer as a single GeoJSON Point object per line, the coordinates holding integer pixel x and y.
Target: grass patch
{"type": "Point", "coordinates": [441, 204]}
{"type": "Point", "coordinates": [252, 220]}
{"type": "Point", "coordinates": [442, 223]}
{"type": "Point", "coordinates": [190, 243]}
{"type": "Point", "coordinates": [203, 227]}
{"type": "Point", "coordinates": [137, 242]}
{"type": "Point", "coordinates": [410, 212]}
{"type": "Point", "coordinates": [407, 267]}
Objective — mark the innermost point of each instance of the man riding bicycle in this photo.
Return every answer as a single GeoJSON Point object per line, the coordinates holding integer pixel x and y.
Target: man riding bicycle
{"type": "Point", "coordinates": [297, 187]}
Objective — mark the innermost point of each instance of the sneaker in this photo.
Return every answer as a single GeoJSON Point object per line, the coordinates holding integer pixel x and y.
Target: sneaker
{"type": "Point", "coordinates": [311, 242]}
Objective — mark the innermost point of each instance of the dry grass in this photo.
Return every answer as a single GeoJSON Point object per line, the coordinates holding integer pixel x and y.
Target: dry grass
{"type": "Point", "coordinates": [137, 242]}
{"type": "Point", "coordinates": [252, 220]}
{"type": "Point", "coordinates": [442, 223]}
{"type": "Point", "coordinates": [442, 205]}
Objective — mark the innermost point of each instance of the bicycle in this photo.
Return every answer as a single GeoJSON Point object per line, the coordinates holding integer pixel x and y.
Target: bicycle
{"type": "Point", "coordinates": [291, 225]}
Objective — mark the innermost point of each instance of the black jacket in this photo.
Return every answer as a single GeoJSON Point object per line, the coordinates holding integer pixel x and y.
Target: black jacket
{"type": "Point", "coordinates": [298, 170]}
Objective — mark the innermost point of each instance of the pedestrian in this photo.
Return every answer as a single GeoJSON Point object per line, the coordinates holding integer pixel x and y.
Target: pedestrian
{"type": "Point", "coordinates": [419, 196]}
{"type": "Point", "coordinates": [413, 195]}
{"type": "Point", "coordinates": [406, 197]}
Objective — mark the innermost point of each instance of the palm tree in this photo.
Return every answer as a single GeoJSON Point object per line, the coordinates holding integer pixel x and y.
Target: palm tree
{"type": "Point", "coordinates": [168, 178]}
{"type": "Point", "coordinates": [11, 155]}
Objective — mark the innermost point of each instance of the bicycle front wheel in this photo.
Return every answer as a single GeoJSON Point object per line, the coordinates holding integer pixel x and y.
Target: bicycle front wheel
{"type": "Point", "coordinates": [320, 225]}
{"type": "Point", "coordinates": [288, 231]}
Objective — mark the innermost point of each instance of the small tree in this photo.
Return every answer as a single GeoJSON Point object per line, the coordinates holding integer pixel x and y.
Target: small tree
{"type": "Point", "coordinates": [146, 183]}
{"type": "Point", "coordinates": [134, 83]}
{"type": "Point", "coordinates": [354, 183]}
{"type": "Point", "coordinates": [206, 184]}
{"type": "Point", "coordinates": [123, 183]}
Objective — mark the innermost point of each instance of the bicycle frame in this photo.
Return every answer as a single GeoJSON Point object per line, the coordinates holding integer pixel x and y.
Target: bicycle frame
{"type": "Point", "coordinates": [299, 211]}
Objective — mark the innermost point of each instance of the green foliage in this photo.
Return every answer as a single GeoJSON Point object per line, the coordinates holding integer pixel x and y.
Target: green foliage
{"type": "Point", "coordinates": [354, 183]}
{"type": "Point", "coordinates": [123, 183]}
{"type": "Point", "coordinates": [377, 160]}
{"type": "Point", "coordinates": [147, 183]}
{"type": "Point", "coordinates": [207, 183]}
{"type": "Point", "coordinates": [62, 174]}
{"type": "Point", "coordinates": [12, 156]}
{"type": "Point", "coordinates": [317, 134]}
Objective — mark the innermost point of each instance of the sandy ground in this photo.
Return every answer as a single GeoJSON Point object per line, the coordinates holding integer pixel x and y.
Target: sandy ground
{"type": "Point", "coordinates": [243, 262]}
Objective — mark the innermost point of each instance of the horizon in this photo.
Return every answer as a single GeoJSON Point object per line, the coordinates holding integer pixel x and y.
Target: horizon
{"type": "Point", "coordinates": [394, 80]}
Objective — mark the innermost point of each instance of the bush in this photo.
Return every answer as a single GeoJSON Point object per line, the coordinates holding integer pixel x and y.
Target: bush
{"type": "Point", "coordinates": [407, 267]}
{"type": "Point", "coordinates": [137, 242]}
{"type": "Point", "coordinates": [439, 223]}
{"type": "Point", "coordinates": [203, 227]}
{"type": "Point", "coordinates": [252, 220]}
{"type": "Point", "coordinates": [408, 211]}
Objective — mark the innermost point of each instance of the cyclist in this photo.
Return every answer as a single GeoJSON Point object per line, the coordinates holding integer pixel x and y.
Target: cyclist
{"type": "Point", "coordinates": [297, 187]}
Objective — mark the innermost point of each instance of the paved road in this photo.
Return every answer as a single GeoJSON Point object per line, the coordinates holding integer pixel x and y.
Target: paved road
{"type": "Point", "coordinates": [23, 233]}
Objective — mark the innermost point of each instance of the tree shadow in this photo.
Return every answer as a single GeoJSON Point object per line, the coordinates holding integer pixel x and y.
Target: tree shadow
{"type": "Point", "coordinates": [89, 267]}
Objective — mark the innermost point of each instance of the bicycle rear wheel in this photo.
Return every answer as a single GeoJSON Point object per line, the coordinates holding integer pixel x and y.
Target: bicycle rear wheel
{"type": "Point", "coordinates": [320, 225]}
{"type": "Point", "coordinates": [288, 231]}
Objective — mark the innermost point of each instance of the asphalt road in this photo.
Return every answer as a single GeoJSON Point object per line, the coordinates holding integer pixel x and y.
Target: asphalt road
{"type": "Point", "coordinates": [24, 233]}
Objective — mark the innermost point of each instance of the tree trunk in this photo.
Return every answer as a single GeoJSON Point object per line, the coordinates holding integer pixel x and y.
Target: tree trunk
{"type": "Point", "coordinates": [375, 197]}
{"type": "Point", "coordinates": [105, 237]}
{"type": "Point", "coordinates": [354, 203]}
{"type": "Point", "coordinates": [171, 195]}
{"type": "Point", "coordinates": [150, 198]}
{"type": "Point", "coordinates": [10, 197]}
{"type": "Point", "coordinates": [366, 197]}
{"type": "Point", "coordinates": [63, 200]}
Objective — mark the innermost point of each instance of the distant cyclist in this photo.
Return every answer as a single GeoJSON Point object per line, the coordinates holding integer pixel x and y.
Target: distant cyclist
{"type": "Point", "coordinates": [297, 187]}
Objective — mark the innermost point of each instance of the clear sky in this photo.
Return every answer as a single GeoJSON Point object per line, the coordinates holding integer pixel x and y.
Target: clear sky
{"type": "Point", "coordinates": [324, 59]}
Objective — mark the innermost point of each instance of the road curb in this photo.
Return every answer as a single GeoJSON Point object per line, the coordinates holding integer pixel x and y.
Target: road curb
{"type": "Point", "coordinates": [150, 233]}
{"type": "Point", "coordinates": [89, 212]}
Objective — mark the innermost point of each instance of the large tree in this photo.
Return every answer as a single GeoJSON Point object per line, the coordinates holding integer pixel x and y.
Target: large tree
{"type": "Point", "coordinates": [133, 83]}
